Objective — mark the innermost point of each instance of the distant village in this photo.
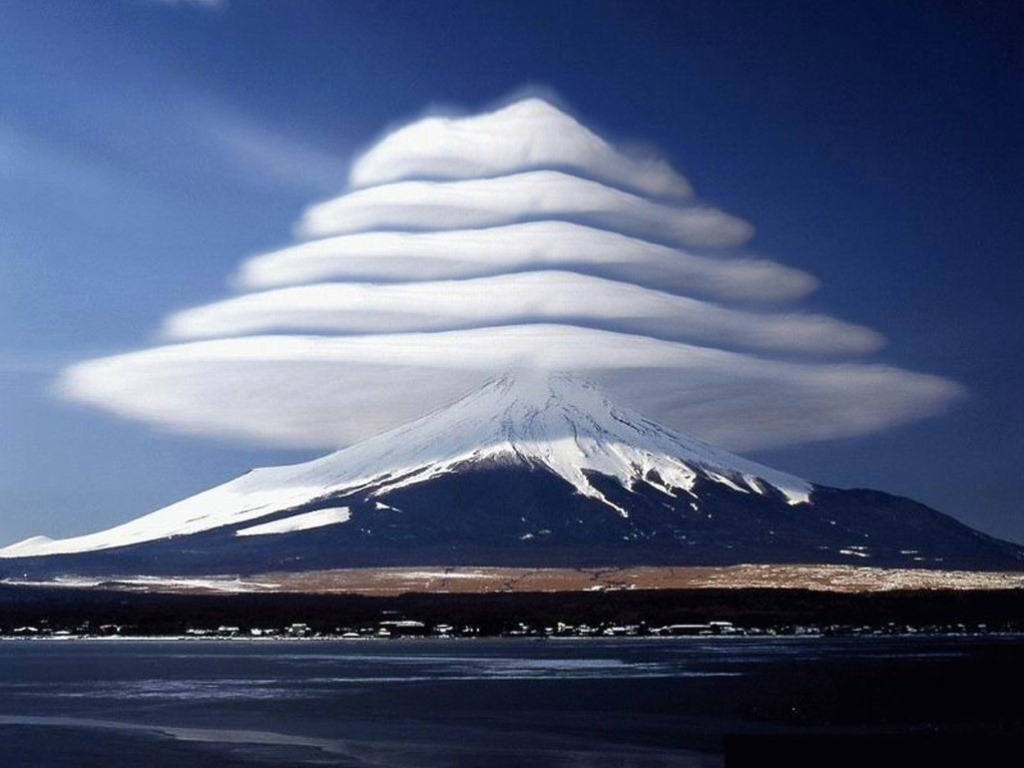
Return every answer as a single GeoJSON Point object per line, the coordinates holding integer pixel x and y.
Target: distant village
{"type": "Point", "coordinates": [409, 628]}
{"type": "Point", "coordinates": [61, 613]}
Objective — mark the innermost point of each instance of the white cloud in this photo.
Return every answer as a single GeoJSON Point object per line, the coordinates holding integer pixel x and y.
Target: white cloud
{"type": "Point", "coordinates": [532, 195]}
{"type": "Point", "coordinates": [398, 256]}
{"type": "Point", "coordinates": [528, 134]}
{"type": "Point", "coordinates": [530, 297]}
{"type": "Point", "coordinates": [259, 149]}
{"type": "Point", "coordinates": [262, 152]}
{"type": "Point", "coordinates": [530, 257]}
{"type": "Point", "coordinates": [307, 391]}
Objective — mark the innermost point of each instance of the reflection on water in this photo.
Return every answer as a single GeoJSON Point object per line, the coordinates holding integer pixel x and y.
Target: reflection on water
{"type": "Point", "coordinates": [422, 703]}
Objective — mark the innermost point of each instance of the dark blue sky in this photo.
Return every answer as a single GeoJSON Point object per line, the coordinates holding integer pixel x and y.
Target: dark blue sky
{"type": "Point", "coordinates": [147, 147]}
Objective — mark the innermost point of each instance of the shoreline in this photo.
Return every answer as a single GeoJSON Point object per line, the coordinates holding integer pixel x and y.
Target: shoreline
{"type": "Point", "coordinates": [769, 637]}
{"type": "Point", "coordinates": [69, 613]}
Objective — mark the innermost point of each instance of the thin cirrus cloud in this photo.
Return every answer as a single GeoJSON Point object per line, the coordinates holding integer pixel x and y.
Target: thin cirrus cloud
{"type": "Point", "coordinates": [211, 5]}
{"type": "Point", "coordinates": [265, 154]}
{"type": "Point", "coordinates": [513, 240]}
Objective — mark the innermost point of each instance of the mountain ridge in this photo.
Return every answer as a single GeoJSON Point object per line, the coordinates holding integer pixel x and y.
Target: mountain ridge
{"type": "Point", "coordinates": [527, 470]}
{"type": "Point", "coordinates": [529, 417]}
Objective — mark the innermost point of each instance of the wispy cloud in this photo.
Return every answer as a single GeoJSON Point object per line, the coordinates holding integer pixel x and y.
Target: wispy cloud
{"type": "Point", "coordinates": [272, 157]}
{"type": "Point", "coordinates": [209, 5]}
{"type": "Point", "coordinates": [516, 240]}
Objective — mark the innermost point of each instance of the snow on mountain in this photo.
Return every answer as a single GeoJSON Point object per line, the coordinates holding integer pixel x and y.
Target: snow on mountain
{"type": "Point", "coordinates": [303, 521]}
{"type": "Point", "coordinates": [555, 421]}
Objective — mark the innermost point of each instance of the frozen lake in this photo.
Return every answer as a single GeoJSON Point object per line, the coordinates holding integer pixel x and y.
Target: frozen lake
{"type": "Point", "coordinates": [494, 703]}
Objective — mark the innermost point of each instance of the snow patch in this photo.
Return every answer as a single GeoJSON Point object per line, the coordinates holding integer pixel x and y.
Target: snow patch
{"type": "Point", "coordinates": [315, 519]}
{"type": "Point", "coordinates": [856, 552]}
{"type": "Point", "coordinates": [26, 546]}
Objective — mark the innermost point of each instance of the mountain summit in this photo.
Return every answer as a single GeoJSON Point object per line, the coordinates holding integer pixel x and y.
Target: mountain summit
{"type": "Point", "coordinates": [537, 470]}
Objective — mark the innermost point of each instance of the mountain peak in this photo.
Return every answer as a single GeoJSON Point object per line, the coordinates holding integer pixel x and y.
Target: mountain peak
{"type": "Point", "coordinates": [537, 469]}
{"type": "Point", "coordinates": [553, 421]}
{"type": "Point", "coordinates": [572, 426]}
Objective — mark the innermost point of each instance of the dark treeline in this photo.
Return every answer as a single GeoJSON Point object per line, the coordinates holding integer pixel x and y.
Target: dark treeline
{"type": "Point", "coordinates": [139, 613]}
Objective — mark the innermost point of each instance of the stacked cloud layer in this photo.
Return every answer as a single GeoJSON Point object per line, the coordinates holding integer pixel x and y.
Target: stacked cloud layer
{"type": "Point", "coordinates": [516, 239]}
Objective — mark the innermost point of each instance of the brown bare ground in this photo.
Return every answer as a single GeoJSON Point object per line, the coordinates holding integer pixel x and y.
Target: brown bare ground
{"type": "Point", "coordinates": [482, 580]}
{"type": "Point", "coordinates": [840, 578]}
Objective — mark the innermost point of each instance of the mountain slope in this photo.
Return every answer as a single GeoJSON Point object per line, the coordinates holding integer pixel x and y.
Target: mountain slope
{"type": "Point", "coordinates": [525, 471]}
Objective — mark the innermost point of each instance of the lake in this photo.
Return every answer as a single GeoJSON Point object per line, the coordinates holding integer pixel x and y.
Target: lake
{"type": "Point", "coordinates": [502, 702]}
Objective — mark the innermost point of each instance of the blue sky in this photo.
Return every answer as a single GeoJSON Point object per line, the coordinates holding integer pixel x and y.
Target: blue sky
{"type": "Point", "coordinates": [147, 148]}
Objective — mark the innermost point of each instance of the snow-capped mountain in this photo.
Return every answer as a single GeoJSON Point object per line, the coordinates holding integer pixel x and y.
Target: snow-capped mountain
{"type": "Point", "coordinates": [528, 470]}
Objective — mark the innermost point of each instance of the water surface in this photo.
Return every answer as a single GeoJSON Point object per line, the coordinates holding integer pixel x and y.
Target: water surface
{"type": "Point", "coordinates": [495, 703]}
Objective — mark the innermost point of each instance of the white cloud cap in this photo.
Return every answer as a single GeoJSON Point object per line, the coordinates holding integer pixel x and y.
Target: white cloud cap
{"type": "Point", "coordinates": [322, 392]}
{"type": "Point", "coordinates": [529, 256]}
{"type": "Point", "coordinates": [525, 135]}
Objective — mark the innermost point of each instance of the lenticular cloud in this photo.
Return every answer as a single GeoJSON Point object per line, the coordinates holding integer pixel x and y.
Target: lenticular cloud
{"type": "Point", "coordinates": [528, 135]}
{"type": "Point", "coordinates": [518, 239]}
